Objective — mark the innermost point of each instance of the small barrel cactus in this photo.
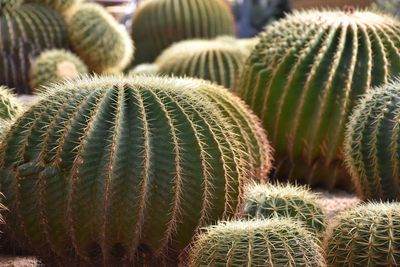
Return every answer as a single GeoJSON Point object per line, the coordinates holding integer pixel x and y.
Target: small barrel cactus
{"type": "Point", "coordinates": [371, 144]}
{"type": "Point", "coordinates": [290, 201]}
{"type": "Point", "coordinates": [274, 242]}
{"type": "Point", "coordinates": [9, 105]}
{"type": "Point", "coordinates": [159, 23]}
{"type": "Point", "coordinates": [62, 6]}
{"type": "Point", "coordinates": [217, 61]}
{"type": "Point", "coordinates": [26, 31]}
{"type": "Point", "coordinates": [366, 236]}
{"type": "Point", "coordinates": [144, 69]}
{"type": "Point", "coordinates": [54, 66]}
{"type": "Point", "coordinates": [303, 79]}
{"type": "Point", "coordinates": [98, 39]}
{"type": "Point", "coordinates": [102, 168]}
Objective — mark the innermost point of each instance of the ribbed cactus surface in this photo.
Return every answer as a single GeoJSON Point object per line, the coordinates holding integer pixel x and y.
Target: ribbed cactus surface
{"type": "Point", "coordinates": [98, 39]}
{"type": "Point", "coordinates": [159, 23]}
{"type": "Point", "coordinates": [54, 66]}
{"type": "Point", "coordinates": [217, 60]}
{"type": "Point", "coordinates": [103, 167]}
{"type": "Point", "coordinates": [274, 242]}
{"type": "Point", "coordinates": [303, 79]}
{"type": "Point", "coordinates": [27, 30]}
{"type": "Point", "coordinates": [366, 236]}
{"type": "Point", "coordinates": [264, 201]}
{"type": "Point", "coordinates": [371, 144]}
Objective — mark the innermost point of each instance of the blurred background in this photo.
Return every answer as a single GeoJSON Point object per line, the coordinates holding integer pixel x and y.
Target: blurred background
{"type": "Point", "coordinates": [252, 15]}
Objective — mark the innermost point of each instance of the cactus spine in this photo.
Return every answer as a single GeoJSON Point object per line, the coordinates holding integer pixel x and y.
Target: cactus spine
{"type": "Point", "coordinates": [371, 144]}
{"type": "Point", "coordinates": [102, 167]}
{"type": "Point", "coordinates": [54, 66]}
{"type": "Point", "coordinates": [366, 236]}
{"type": "Point", "coordinates": [159, 23]}
{"type": "Point", "coordinates": [303, 79]}
{"type": "Point", "coordinates": [274, 242]}
{"type": "Point", "coordinates": [98, 39]}
{"type": "Point", "coordinates": [26, 31]}
{"type": "Point", "coordinates": [297, 202]}
{"type": "Point", "coordinates": [216, 60]}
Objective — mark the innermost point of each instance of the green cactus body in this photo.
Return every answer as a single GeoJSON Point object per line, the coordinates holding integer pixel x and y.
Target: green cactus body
{"type": "Point", "coordinates": [157, 24]}
{"type": "Point", "coordinates": [274, 242]}
{"type": "Point", "coordinates": [144, 69]}
{"type": "Point", "coordinates": [98, 39]}
{"type": "Point", "coordinates": [371, 144]}
{"type": "Point", "coordinates": [26, 31]}
{"type": "Point", "coordinates": [303, 79]}
{"type": "Point", "coordinates": [54, 66]}
{"type": "Point", "coordinates": [62, 6]}
{"type": "Point", "coordinates": [297, 202]}
{"type": "Point", "coordinates": [366, 236]}
{"type": "Point", "coordinates": [105, 166]}
{"type": "Point", "coordinates": [217, 61]}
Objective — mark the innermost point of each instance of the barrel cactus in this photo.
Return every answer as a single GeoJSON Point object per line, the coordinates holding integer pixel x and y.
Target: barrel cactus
{"type": "Point", "coordinates": [27, 30]}
{"type": "Point", "coordinates": [54, 66]}
{"type": "Point", "coordinates": [290, 201]}
{"type": "Point", "coordinates": [217, 61]}
{"type": "Point", "coordinates": [303, 79]}
{"type": "Point", "coordinates": [9, 105]}
{"type": "Point", "coordinates": [104, 167]}
{"type": "Point", "coordinates": [371, 144]}
{"type": "Point", "coordinates": [62, 6]}
{"type": "Point", "coordinates": [98, 39]}
{"type": "Point", "coordinates": [366, 236]}
{"type": "Point", "coordinates": [159, 23]}
{"type": "Point", "coordinates": [274, 242]}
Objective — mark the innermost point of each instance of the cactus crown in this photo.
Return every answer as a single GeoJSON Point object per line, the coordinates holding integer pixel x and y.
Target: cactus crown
{"type": "Point", "coordinates": [274, 242]}
{"type": "Point", "coordinates": [365, 236]}
{"type": "Point", "coordinates": [371, 143]}
{"type": "Point", "coordinates": [55, 65]}
{"type": "Point", "coordinates": [284, 200]}
{"type": "Point", "coordinates": [103, 44]}
{"type": "Point", "coordinates": [180, 20]}
{"type": "Point", "coordinates": [303, 79]}
{"type": "Point", "coordinates": [122, 163]}
{"type": "Point", "coordinates": [216, 60]}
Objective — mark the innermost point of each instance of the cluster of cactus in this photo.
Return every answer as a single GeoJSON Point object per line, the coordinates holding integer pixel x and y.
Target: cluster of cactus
{"type": "Point", "coordinates": [365, 236]}
{"type": "Point", "coordinates": [62, 6]}
{"type": "Point", "coordinates": [104, 167]}
{"type": "Point", "coordinates": [27, 29]}
{"type": "Point", "coordinates": [54, 66]}
{"type": "Point", "coordinates": [159, 23]}
{"type": "Point", "coordinates": [265, 201]}
{"type": "Point", "coordinates": [98, 39]}
{"type": "Point", "coordinates": [274, 242]}
{"type": "Point", "coordinates": [371, 144]}
{"type": "Point", "coordinates": [214, 60]}
{"type": "Point", "coordinates": [303, 79]}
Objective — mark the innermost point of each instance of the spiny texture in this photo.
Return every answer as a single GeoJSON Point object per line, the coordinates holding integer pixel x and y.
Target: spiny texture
{"type": "Point", "coordinates": [366, 236]}
{"type": "Point", "coordinates": [372, 144]}
{"type": "Point", "coordinates": [62, 6]}
{"type": "Point", "coordinates": [303, 79]}
{"type": "Point", "coordinates": [25, 32]}
{"type": "Point", "coordinates": [103, 168]}
{"type": "Point", "coordinates": [9, 105]}
{"type": "Point", "coordinates": [217, 61]}
{"type": "Point", "coordinates": [274, 242]}
{"type": "Point", "coordinates": [144, 69]}
{"type": "Point", "coordinates": [54, 66]}
{"type": "Point", "coordinates": [290, 201]}
{"type": "Point", "coordinates": [159, 23]}
{"type": "Point", "coordinates": [98, 39]}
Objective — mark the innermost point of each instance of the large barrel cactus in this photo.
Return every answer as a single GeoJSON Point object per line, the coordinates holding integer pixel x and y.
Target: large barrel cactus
{"type": "Point", "coordinates": [215, 60]}
{"type": "Point", "coordinates": [303, 79]}
{"type": "Point", "coordinates": [371, 144]}
{"type": "Point", "coordinates": [159, 23]}
{"type": "Point", "coordinates": [105, 169]}
{"type": "Point", "coordinates": [26, 30]}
